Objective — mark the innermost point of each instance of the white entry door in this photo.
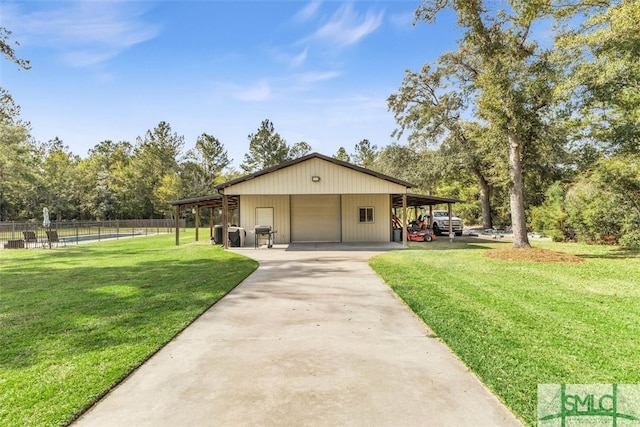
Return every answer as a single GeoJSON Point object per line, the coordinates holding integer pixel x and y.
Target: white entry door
{"type": "Point", "coordinates": [264, 216]}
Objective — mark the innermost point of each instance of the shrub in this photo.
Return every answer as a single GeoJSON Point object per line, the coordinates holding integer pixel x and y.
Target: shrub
{"type": "Point", "coordinates": [631, 240]}
{"type": "Point", "coordinates": [550, 218]}
{"type": "Point", "coordinates": [593, 212]}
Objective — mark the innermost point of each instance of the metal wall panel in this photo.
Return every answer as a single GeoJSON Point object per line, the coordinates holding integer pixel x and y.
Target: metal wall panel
{"type": "Point", "coordinates": [353, 230]}
{"type": "Point", "coordinates": [281, 220]}
{"type": "Point", "coordinates": [333, 179]}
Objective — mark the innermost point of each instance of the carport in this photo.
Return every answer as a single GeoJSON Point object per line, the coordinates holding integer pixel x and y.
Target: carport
{"type": "Point", "coordinates": [214, 201]}
{"type": "Point", "coordinates": [420, 200]}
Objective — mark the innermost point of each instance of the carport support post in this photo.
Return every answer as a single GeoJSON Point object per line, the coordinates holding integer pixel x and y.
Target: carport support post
{"type": "Point", "coordinates": [404, 220]}
{"type": "Point", "coordinates": [450, 224]}
{"type": "Point", "coordinates": [177, 218]}
{"type": "Point", "coordinates": [197, 222]}
{"type": "Point", "coordinates": [431, 218]}
{"type": "Point", "coordinates": [210, 222]}
{"type": "Point", "coordinates": [225, 230]}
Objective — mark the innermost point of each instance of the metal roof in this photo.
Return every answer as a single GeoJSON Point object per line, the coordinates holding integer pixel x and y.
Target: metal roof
{"type": "Point", "coordinates": [420, 200]}
{"type": "Point", "coordinates": [212, 201]}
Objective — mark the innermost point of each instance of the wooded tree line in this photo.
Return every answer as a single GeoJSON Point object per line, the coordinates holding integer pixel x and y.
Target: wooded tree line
{"type": "Point", "coordinates": [536, 134]}
{"type": "Point", "coordinates": [539, 108]}
{"type": "Point", "coordinates": [121, 180]}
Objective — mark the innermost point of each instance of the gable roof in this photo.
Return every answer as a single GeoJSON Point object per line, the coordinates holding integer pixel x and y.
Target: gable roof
{"type": "Point", "coordinates": [314, 156]}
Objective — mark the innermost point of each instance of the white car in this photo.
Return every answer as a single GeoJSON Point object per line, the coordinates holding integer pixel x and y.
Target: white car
{"type": "Point", "coordinates": [441, 223]}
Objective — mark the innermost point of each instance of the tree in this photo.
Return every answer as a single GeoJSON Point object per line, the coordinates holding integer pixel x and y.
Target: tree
{"type": "Point", "coordinates": [195, 180]}
{"type": "Point", "coordinates": [154, 157]}
{"type": "Point", "coordinates": [471, 147]}
{"type": "Point", "coordinates": [365, 154]}
{"type": "Point", "coordinates": [170, 188]}
{"type": "Point", "coordinates": [203, 166]}
{"type": "Point", "coordinates": [125, 182]}
{"type": "Point", "coordinates": [551, 216]}
{"type": "Point", "coordinates": [211, 154]}
{"type": "Point", "coordinates": [299, 149]}
{"type": "Point", "coordinates": [9, 111]}
{"type": "Point", "coordinates": [61, 182]}
{"type": "Point", "coordinates": [266, 149]}
{"type": "Point", "coordinates": [8, 52]}
{"type": "Point", "coordinates": [430, 105]}
{"type": "Point", "coordinates": [18, 172]}
{"type": "Point", "coordinates": [400, 161]}
{"type": "Point", "coordinates": [509, 77]}
{"type": "Point", "coordinates": [101, 188]}
{"type": "Point", "coordinates": [342, 155]}
{"type": "Point", "coordinates": [605, 74]}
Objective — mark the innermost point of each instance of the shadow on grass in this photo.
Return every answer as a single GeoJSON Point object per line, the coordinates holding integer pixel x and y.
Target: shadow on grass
{"type": "Point", "coordinates": [443, 244]}
{"type": "Point", "coordinates": [617, 253]}
{"type": "Point", "coordinates": [87, 309]}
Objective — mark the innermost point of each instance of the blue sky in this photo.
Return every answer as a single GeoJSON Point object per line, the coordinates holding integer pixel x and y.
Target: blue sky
{"type": "Point", "coordinates": [320, 71]}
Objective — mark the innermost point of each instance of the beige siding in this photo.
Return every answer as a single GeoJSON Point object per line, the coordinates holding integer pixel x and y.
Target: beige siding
{"type": "Point", "coordinates": [315, 218]}
{"type": "Point", "coordinates": [334, 179]}
{"type": "Point", "coordinates": [281, 220]}
{"type": "Point", "coordinates": [354, 231]}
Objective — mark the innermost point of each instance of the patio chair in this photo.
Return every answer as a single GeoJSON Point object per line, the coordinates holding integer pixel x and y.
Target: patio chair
{"type": "Point", "coordinates": [30, 238]}
{"type": "Point", "coordinates": [52, 237]}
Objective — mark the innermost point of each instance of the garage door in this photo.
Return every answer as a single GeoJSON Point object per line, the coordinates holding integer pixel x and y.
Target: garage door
{"type": "Point", "coordinates": [315, 218]}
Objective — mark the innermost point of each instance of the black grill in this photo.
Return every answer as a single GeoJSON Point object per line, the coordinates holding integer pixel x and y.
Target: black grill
{"type": "Point", "coordinates": [263, 230]}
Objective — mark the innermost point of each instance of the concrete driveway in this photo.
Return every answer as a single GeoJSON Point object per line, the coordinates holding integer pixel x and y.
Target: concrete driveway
{"type": "Point", "coordinates": [312, 338]}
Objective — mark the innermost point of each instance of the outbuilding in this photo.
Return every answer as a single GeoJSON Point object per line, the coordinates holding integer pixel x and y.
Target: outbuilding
{"type": "Point", "coordinates": [314, 198]}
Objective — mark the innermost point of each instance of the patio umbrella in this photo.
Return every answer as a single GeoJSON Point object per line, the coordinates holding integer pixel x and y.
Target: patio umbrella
{"type": "Point", "coordinates": [46, 222]}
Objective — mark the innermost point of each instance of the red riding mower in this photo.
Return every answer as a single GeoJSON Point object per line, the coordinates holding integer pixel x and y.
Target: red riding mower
{"type": "Point", "coordinates": [417, 231]}
{"type": "Point", "coordinates": [420, 235]}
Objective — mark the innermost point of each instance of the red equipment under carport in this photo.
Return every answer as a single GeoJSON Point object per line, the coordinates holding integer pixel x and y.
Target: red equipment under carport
{"type": "Point", "coordinates": [420, 235]}
{"type": "Point", "coordinates": [416, 232]}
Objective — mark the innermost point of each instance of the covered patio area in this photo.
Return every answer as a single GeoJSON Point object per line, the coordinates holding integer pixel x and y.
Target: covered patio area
{"type": "Point", "coordinates": [226, 204]}
{"type": "Point", "coordinates": [400, 203]}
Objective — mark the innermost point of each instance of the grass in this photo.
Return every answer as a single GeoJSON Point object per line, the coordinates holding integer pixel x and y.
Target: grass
{"type": "Point", "coordinates": [520, 324]}
{"type": "Point", "coordinates": [76, 320]}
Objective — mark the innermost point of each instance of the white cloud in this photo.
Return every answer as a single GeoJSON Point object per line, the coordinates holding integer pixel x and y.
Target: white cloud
{"type": "Point", "coordinates": [86, 58]}
{"type": "Point", "coordinates": [289, 59]}
{"type": "Point", "coordinates": [84, 32]}
{"type": "Point", "coordinates": [347, 27]}
{"type": "Point", "coordinates": [403, 21]}
{"type": "Point", "coordinates": [307, 12]}
{"type": "Point", "coordinates": [313, 77]}
{"type": "Point", "coordinates": [261, 91]}
{"type": "Point", "coordinates": [299, 59]}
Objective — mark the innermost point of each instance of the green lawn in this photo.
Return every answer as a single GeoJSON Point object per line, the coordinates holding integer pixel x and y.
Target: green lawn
{"type": "Point", "coordinates": [520, 324]}
{"type": "Point", "coordinates": [75, 320]}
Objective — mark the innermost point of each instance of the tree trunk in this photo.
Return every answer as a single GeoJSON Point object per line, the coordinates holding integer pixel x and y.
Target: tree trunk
{"type": "Point", "coordinates": [485, 197]}
{"type": "Point", "coordinates": [516, 190]}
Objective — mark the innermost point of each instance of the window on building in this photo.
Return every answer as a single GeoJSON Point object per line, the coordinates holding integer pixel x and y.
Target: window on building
{"type": "Point", "coordinates": [366, 215]}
